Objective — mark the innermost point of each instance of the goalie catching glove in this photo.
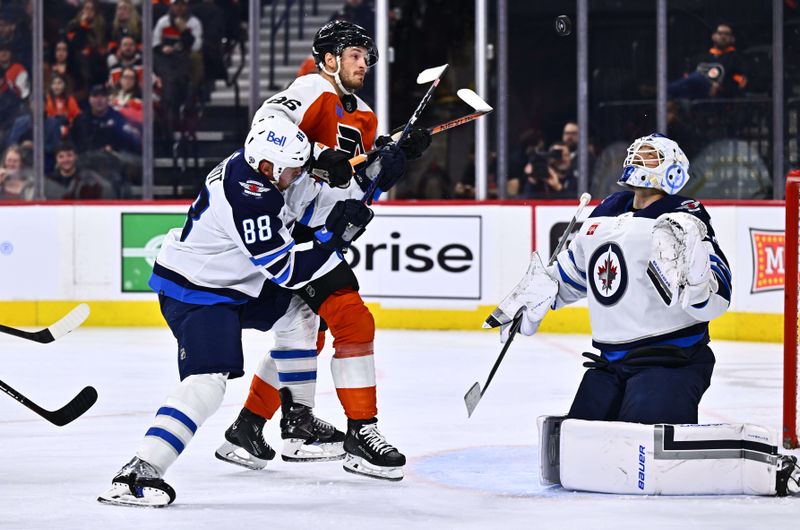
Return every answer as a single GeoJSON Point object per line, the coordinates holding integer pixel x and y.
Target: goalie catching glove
{"type": "Point", "coordinates": [680, 265]}
{"type": "Point", "coordinates": [533, 295]}
{"type": "Point", "coordinates": [346, 222]}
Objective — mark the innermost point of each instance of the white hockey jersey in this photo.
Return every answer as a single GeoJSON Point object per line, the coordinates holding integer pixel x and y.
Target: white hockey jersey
{"type": "Point", "coordinates": [607, 263]}
{"type": "Point", "coordinates": [236, 234]}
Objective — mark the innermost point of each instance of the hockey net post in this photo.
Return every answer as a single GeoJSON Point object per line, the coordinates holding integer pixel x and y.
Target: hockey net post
{"type": "Point", "coordinates": [791, 397]}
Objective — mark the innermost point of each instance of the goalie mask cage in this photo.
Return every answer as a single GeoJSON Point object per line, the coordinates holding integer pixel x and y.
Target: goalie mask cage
{"type": "Point", "coordinates": [791, 397]}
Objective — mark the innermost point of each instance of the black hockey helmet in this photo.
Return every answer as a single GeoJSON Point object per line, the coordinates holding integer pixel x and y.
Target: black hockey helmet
{"type": "Point", "coordinates": [337, 35]}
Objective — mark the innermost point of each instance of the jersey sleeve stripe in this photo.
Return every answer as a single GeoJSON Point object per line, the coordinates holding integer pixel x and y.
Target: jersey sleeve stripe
{"type": "Point", "coordinates": [721, 276]}
{"type": "Point", "coordinates": [287, 273]}
{"type": "Point", "coordinates": [308, 213]}
{"type": "Point", "coordinates": [723, 289]}
{"type": "Point", "coordinates": [277, 267]}
{"type": "Point", "coordinates": [722, 266]}
{"type": "Point", "coordinates": [575, 264]}
{"type": "Point", "coordinates": [268, 258]}
{"type": "Point", "coordinates": [569, 281]}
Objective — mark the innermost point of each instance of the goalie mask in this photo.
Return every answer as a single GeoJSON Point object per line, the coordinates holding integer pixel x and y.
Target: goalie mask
{"type": "Point", "coordinates": [655, 161]}
{"type": "Point", "coordinates": [278, 141]}
{"type": "Point", "coordinates": [334, 37]}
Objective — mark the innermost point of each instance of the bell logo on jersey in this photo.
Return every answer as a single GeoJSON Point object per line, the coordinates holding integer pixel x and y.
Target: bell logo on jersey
{"type": "Point", "coordinates": [275, 139]}
{"type": "Point", "coordinates": [609, 274]}
{"type": "Point", "coordinates": [254, 188]}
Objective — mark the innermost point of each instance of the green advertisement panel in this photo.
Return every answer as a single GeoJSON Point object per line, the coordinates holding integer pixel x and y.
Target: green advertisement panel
{"type": "Point", "coordinates": [142, 234]}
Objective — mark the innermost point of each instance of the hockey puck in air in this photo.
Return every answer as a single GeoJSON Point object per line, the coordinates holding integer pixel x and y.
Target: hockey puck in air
{"type": "Point", "coordinates": [563, 25]}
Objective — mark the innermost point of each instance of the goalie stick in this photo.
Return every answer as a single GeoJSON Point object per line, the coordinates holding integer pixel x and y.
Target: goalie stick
{"type": "Point", "coordinates": [498, 318]}
{"type": "Point", "coordinates": [69, 412]}
{"type": "Point", "coordinates": [68, 322]}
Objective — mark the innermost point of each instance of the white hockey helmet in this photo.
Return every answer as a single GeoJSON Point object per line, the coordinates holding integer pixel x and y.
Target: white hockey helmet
{"type": "Point", "coordinates": [279, 141]}
{"type": "Point", "coordinates": [655, 161]}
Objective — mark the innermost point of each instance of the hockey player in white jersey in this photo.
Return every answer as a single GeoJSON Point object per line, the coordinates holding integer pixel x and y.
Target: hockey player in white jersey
{"type": "Point", "coordinates": [210, 277]}
{"type": "Point", "coordinates": [654, 275]}
{"type": "Point", "coordinates": [325, 106]}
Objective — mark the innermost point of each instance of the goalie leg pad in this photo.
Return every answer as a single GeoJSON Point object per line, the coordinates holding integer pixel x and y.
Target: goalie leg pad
{"type": "Point", "coordinates": [630, 458]}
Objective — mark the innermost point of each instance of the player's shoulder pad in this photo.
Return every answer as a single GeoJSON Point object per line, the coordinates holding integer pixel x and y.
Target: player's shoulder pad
{"type": "Point", "coordinates": [309, 87]}
{"type": "Point", "coordinates": [245, 188]}
{"type": "Point", "coordinates": [675, 204]}
{"type": "Point", "coordinates": [362, 106]}
{"type": "Point", "coordinates": [615, 204]}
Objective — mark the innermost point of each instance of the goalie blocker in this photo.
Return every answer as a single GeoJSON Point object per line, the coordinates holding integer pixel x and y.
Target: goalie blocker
{"type": "Point", "coordinates": [634, 458]}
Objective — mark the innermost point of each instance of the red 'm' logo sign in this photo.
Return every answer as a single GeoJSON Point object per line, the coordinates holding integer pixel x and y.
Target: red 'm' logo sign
{"type": "Point", "coordinates": [769, 251]}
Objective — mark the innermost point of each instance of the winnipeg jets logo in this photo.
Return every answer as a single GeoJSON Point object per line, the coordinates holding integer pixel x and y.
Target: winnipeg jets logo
{"type": "Point", "coordinates": [254, 188]}
{"type": "Point", "coordinates": [609, 274]}
{"type": "Point", "coordinates": [689, 205]}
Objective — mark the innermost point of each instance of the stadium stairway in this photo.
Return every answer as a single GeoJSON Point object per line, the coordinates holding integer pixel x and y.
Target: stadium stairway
{"type": "Point", "coordinates": [220, 130]}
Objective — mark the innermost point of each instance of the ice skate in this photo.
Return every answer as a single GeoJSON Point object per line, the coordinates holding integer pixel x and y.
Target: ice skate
{"type": "Point", "coordinates": [787, 476]}
{"type": "Point", "coordinates": [307, 438]}
{"type": "Point", "coordinates": [368, 452]}
{"type": "Point", "coordinates": [138, 484]}
{"type": "Point", "coordinates": [244, 442]}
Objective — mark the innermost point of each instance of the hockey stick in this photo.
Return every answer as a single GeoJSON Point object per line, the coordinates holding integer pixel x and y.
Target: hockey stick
{"type": "Point", "coordinates": [69, 412]}
{"type": "Point", "coordinates": [426, 76]}
{"type": "Point", "coordinates": [468, 96]}
{"type": "Point", "coordinates": [70, 321]}
{"type": "Point", "coordinates": [475, 393]}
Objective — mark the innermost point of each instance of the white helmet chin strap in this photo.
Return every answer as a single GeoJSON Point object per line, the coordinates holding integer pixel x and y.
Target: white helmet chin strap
{"type": "Point", "coordinates": [335, 75]}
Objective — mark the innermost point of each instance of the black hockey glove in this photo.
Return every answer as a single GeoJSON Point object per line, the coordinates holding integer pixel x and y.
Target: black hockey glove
{"type": "Point", "coordinates": [414, 144]}
{"type": "Point", "coordinates": [332, 166]}
{"type": "Point", "coordinates": [346, 222]}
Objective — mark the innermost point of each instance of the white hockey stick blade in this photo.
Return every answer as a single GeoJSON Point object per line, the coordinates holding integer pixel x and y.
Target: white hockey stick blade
{"type": "Point", "coordinates": [473, 100]}
{"type": "Point", "coordinates": [430, 74]}
{"type": "Point", "coordinates": [472, 397]}
{"type": "Point", "coordinates": [71, 321]}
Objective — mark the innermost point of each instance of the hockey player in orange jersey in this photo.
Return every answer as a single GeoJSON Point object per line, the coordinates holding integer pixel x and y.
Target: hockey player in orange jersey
{"type": "Point", "coordinates": [325, 107]}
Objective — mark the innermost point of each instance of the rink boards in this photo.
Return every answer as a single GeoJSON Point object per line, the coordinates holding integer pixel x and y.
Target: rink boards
{"type": "Point", "coordinates": [420, 265]}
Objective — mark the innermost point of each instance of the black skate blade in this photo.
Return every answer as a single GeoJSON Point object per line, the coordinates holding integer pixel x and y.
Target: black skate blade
{"type": "Point", "coordinates": [472, 397]}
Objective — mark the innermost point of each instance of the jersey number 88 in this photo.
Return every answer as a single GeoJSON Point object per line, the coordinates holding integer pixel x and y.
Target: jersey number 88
{"type": "Point", "coordinates": [258, 229]}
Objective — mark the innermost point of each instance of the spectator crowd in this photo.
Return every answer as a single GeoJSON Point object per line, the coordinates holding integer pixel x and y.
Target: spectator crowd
{"type": "Point", "coordinates": [93, 80]}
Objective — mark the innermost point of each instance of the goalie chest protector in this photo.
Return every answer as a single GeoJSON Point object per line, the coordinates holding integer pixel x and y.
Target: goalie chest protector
{"type": "Point", "coordinates": [608, 259]}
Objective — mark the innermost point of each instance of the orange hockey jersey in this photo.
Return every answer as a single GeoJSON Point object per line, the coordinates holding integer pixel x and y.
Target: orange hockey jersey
{"type": "Point", "coordinates": [312, 103]}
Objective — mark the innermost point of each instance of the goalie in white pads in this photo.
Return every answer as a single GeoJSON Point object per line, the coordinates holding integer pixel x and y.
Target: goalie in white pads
{"type": "Point", "coordinates": [654, 276]}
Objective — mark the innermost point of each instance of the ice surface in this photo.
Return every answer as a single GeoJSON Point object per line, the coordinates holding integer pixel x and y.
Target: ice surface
{"type": "Point", "coordinates": [479, 473]}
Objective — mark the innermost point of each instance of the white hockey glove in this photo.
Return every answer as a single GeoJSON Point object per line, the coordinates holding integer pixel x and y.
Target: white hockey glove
{"type": "Point", "coordinates": [679, 259]}
{"type": "Point", "coordinates": [534, 293]}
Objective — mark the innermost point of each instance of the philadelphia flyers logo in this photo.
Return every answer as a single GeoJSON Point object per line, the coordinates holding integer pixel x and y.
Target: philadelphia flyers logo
{"type": "Point", "coordinates": [348, 139]}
